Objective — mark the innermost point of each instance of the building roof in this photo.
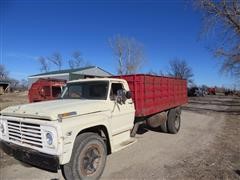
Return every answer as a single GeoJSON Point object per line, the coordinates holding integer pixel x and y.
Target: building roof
{"type": "Point", "coordinates": [97, 79]}
{"type": "Point", "coordinates": [68, 71]}
{"type": "Point", "coordinates": [4, 81]}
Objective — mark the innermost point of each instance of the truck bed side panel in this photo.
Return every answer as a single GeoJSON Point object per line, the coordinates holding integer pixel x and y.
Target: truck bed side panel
{"type": "Point", "coordinates": [153, 94]}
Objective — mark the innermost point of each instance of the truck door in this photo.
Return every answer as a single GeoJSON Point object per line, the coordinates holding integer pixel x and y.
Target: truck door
{"type": "Point", "coordinates": [122, 112]}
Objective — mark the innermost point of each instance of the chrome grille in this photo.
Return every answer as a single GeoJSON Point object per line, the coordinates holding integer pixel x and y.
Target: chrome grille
{"type": "Point", "coordinates": [25, 133]}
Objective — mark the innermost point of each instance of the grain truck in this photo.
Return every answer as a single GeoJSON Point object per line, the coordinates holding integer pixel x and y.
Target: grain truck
{"type": "Point", "coordinates": [92, 119]}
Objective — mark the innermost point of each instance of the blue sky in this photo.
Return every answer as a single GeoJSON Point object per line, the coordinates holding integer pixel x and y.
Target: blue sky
{"type": "Point", "coordinates": [168, 29]}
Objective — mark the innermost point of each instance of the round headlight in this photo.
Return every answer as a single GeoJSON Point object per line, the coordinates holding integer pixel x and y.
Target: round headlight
{"type": "Point", "coordinates": [2, 128]}
{"type": "Point", "coordinates": [49, 138]}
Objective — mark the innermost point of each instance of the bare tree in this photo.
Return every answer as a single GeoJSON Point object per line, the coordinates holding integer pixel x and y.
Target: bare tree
{"type": "Point", "coordinates": [223, 17]}
{"type": "Point", "coordinates": [14, 83]}
{"type": "Point", "coordinates": [44, 64]}
{"type": "Point", "coordinates": [159, 73]}
{"type": "Point", "coordinates": [231, 62]}
{"type": "Point", "coordinates": [4, 75]}
{"type": "Point", "coordinates": [76, 61]}
{"type": "Point", "coordinates": [56, 59]}
{"type": "Point", "coordinates": [179, 68]}
{"type": "Point", "coordinates": [3, 72]}
{"type": "Point", "coordinates": [23, 84]}
{"type": "Point", "coordinates": [152, 72]}
{"type": "Point", "coordinates": [129, 54]}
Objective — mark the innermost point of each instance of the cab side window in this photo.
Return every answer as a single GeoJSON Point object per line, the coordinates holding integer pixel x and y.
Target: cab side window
{"type": "Point", "coordinates": [114, 88]}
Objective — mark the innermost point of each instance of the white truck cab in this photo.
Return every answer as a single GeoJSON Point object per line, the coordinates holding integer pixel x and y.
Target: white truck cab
{"type": "Point", "coordinates": [92, 118]}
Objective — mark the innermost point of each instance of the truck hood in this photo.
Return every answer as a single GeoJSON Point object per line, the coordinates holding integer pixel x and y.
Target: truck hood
{"type": "Point", "coordinates": [51, 110]}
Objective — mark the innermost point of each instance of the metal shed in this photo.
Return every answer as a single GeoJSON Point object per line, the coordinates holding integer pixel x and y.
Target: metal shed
{"type": "Point", "coordinates": [71, 74]}
{"type": "Point", "coordinates": [4, 86]}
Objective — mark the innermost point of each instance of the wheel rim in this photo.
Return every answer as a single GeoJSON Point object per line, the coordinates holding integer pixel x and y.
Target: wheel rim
{"type": "Point", "coordinates": [177, 122]}
{"type": "Point", "coordinates": [91, 160]}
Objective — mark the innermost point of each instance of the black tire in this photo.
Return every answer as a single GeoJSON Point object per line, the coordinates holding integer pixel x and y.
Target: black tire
{"type": "Point", "coordinates": [174, 120]}
{"type": "Point", "coordinates": [88, 158]}
{"type": "Point", "coordinates": [163, 127]}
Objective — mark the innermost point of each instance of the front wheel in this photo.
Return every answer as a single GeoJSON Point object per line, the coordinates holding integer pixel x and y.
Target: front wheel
{"type": "Point", "coordinates": [174, 120]}
{"type": "Point", "coordinates": [88, 158]}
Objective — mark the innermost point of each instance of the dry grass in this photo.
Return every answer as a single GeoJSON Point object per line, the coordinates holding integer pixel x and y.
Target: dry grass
{"type": "Point", "coordinates": [11, 99]}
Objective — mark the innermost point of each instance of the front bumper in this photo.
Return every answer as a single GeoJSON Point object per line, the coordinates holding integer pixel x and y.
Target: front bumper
{"type": "Point", "coordinates": [33, 157]}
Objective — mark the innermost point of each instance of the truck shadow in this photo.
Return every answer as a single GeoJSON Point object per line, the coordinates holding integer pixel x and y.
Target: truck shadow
{"type": "Point", "coordinates": [143, 128]}
{"type": "Point", "coordinates": [237, 172]}
{"type": "Point", "coordinates": [31, 166]}
{"type": "Point", "coordinates": [204, 110]}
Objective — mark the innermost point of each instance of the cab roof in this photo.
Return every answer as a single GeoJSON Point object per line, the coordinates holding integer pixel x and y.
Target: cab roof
{"type": "Point", "coordinates": [97, 79]}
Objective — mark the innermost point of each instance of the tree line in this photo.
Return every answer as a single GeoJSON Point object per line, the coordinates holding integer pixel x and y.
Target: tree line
{"type": "Point", "coordinates": [15, 84]}
{"type": "Point", "coordinates": [56, 59]}
{"type": "Point", "coordinates": [221, 19]}
{"type": "Point", "coordinates": [129, 57]}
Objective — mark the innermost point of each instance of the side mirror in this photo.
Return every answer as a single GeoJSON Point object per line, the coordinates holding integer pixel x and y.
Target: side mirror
{"type": "Point", "coordinates": [128, 95]}
{"type": "Point", "coordinates": [121, 96]}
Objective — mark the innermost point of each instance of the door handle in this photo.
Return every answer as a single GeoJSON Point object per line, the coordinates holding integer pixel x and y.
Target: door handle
{"type": "Point", "coordinates": [130, 102]}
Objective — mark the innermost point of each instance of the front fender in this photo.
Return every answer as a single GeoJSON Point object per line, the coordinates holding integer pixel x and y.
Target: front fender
{"type": "Point", "coordinates": [72, 126]}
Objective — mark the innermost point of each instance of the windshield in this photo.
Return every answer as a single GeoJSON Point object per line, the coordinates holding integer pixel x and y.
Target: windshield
{"type": "Point", "coordinates": [86, 90]}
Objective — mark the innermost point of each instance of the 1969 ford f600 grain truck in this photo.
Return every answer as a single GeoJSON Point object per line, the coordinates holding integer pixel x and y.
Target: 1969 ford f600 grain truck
{"type": "Point", "coordinates": [91, 119]}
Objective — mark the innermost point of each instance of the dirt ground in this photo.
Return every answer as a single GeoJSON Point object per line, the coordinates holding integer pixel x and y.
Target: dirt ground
{"type": "Point", "coordinates": [207, 147]}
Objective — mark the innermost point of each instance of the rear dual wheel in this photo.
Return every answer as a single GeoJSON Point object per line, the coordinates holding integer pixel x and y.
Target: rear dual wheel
{"type": "Point", "coordinates": [163, 127]}
{"type": "Point", "coordinates": [167, 122]}
{"type": "Point", "coordinates": [174, 120]}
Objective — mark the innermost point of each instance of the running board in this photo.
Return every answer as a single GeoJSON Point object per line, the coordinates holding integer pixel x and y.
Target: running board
{"type": "Point", "coordinates": [125, 144]}
{"type": "Point", "coordinates": [128, 142]}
